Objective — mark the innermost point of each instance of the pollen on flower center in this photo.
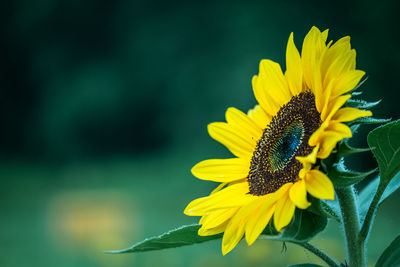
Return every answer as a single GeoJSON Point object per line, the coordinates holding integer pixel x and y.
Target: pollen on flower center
{"type": "Point", "coordinates": [274, 160]}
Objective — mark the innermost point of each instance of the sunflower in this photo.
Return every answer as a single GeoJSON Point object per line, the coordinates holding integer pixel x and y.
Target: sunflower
{"type": "Point", "coordinates": [299, 119]}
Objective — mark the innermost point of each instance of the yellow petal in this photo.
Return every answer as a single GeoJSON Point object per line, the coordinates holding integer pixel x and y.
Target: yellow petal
{"type": "Point", "coordinates": [262, 97]}
{"type": "Point", "coordinates": [313, 47]}
{"type": "Point", "coordinates": [280, 192]}
{"type": "Point", "coordinates": [262, 213]}
{"type": "Point", "coordinates": [327, 136]}
{"type": "Point", "coordinates": [324, 35]}
{"type": "Point", "coordinates": [316, 137]}
{"type": "Point", "coordinates": [222, 170]}
{"type": "Point", "coordinates": [319, 185]}
{"type": "Point", "coordinates": [243, 123]}
{"type": "Point", "coordinates": [324, 99]}
{"type": "Point", "coordinates": [258, 115]}
{"type": "Point", "coordinates": [270, 87]}
{"type": "Point", "coordinates": [310, 158]}
{"type": "Point", "coordinates": [212, 231]}
{"type": "Point", "coordinates": [237, 142]}
{"type": "Point", "coordinates": [346, 82]}
{"type": "Point", "coordinates": [328, 143]}
{"type": "Point", "coordinates": [298, 195]}
{"type": "Point", "coordinates": [232, 237]}
{"type": "Point", "coordinates": [350, 114]}
{"type": "Point", "coordinates": [317, 89]}
{"type": "Point", "coordinates": [284, 212]}
{"type": "Point", "coordinates": [232, 196]}
{"type": "Point", "coordinates": [338, 50]}
{"type": "Point", "coordinates": [338, 59]}
{"type": "Point", "coordinates": [327, 139]}
{"type": "Point", "coordinates": [329, 133]}
{"type": "Point", "coordinates": [294, 69]}
{"type": "Point", "coordinates": [334, 106]}
{"type": "Point", "coordinates": [352, 61]}
{"type": "Point", "coordinates": [235, 228]}
{"type": "Point", "coordinates": [218, 188]}
{"type": "Point", "coordinates": [307, 54]}
{"type": "Point", "coordinates": [275, 81]}
{"type": "Point", "coordinates": [340, 129]}
{"type": "Point", "coordinates": [257, 222]}
{"type": "Point", "coordinates": [217, 217]}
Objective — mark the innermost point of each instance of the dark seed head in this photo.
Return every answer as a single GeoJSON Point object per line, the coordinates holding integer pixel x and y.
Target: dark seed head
{"type": "Point", "coordinates": [274, 160]}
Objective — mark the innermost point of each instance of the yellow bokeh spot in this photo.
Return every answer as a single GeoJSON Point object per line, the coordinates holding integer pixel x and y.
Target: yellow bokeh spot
{"type": "Point", "coordinates": [93, 221]}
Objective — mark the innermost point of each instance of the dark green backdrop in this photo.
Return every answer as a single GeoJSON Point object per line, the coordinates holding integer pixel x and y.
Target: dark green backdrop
{"type": "Point", "coordinates": [104, 107]}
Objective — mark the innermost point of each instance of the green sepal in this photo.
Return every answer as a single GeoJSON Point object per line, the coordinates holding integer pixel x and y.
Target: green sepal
{"type": "Point", "coordinates": [356, 93]}
{"type": "Point", "coordinates": [182, 236]}
{"type": "Point", "coordinates": [368, 120]}
{"type": "Point", "coordinates": [327, 163]}
{"type": "Point", "coordinates": [325, 208]}
{"type": "Point", "coordinates": [304, 227]}
{"type": "Point", "coordinates": [353, 91]}
{"type": "Point", "coordinates": [342, 177]}
{"type": "Point", "coordinates": [361, 104]}
{"type": "Point", "coordinates": [391, 256]}
{"type": "Point", "coordinates": [344, 149]}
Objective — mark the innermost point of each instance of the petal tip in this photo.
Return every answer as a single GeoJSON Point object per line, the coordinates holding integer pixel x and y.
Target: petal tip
{"type": "Point", "coordinates": [187, 212]}
{"type": "Point", "coordinates": [226, 249]}
{"type": "Point", "coordinates": [250, 240]}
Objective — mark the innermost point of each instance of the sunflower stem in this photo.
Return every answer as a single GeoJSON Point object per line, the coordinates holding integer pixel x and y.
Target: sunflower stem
{"type": "Point", "coordinates": [351, 225]}
{"type": "Point", "coordinates": [319, 253]}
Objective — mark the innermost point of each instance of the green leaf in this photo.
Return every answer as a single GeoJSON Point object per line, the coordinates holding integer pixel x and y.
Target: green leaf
{"type": "Point", "coordinates": [391, 187]}
{"type": "Point", "coordinates": [342, 177]}
{"type": "Point", "coordinates": [182, 236]}
{"type": "Point", "coordinates": [365, 195]}
{"type": "Point", "coordinates": [305, 265]}
{"type": "Point", "coordinates": [304, 227]}
{"type": "Point", "coordinates": [391, 256]}
{"type": "Point", "coordinates": [384, 142]}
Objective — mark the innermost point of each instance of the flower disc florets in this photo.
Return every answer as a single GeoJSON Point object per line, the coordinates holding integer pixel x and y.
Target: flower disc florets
{"type": "Point", "coordinates": [274, 160]}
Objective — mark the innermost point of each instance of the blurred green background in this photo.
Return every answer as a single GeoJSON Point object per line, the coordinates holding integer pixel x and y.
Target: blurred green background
{"type": "Point", "coordinates": [104, 107]}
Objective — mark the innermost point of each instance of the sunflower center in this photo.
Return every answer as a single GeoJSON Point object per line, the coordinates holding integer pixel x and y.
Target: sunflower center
{"type": "Point", "coordinates": [286, 145]}
{"type": "Point", "coordinates": [274, 160]}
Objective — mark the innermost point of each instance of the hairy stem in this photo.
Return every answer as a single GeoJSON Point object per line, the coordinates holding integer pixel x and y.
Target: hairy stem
{"type": "Point", "coordinates": [351, 225]}
{"type": "Point", "coordinates": [319, 253]}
